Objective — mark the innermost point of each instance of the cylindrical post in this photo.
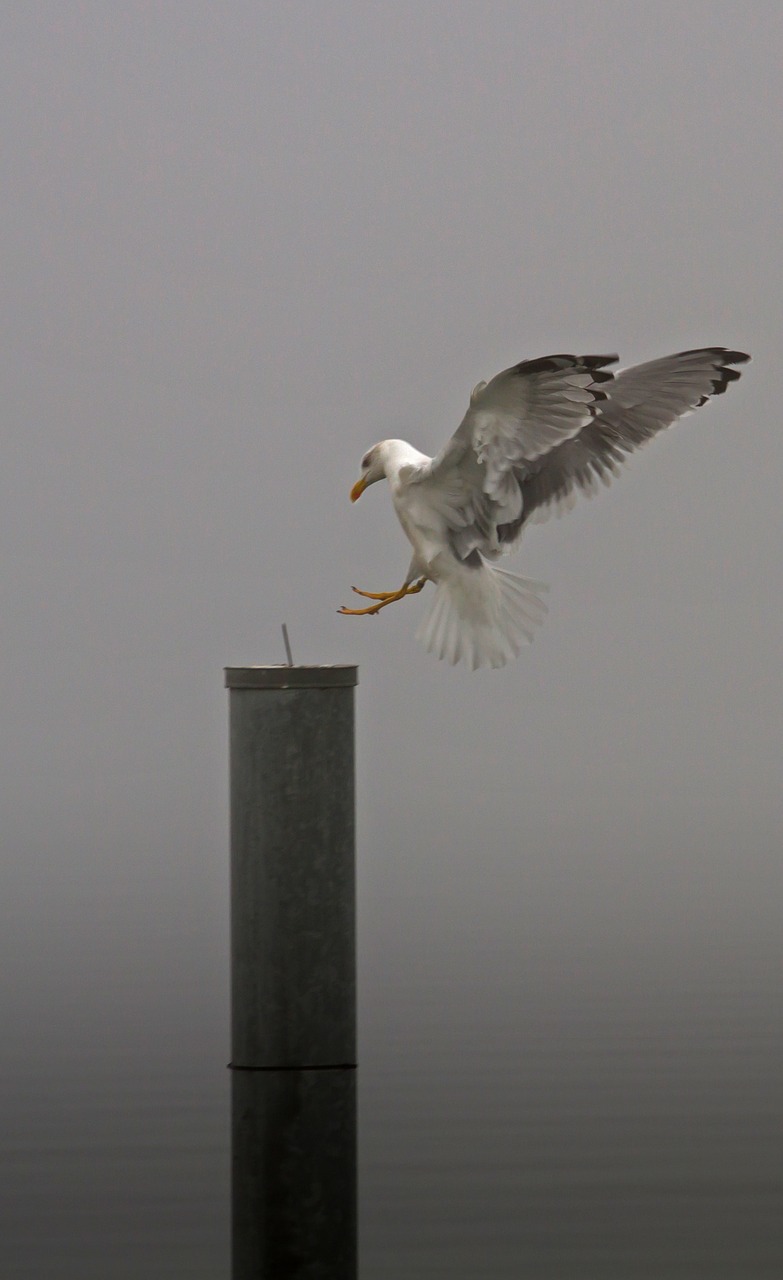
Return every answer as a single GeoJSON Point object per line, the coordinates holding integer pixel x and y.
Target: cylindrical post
{"type": "Point", "coordinates": [293, 972]}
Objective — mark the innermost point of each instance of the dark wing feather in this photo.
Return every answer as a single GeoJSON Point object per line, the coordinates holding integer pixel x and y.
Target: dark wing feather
{"type": "Point", "coordinates": [641, 401]}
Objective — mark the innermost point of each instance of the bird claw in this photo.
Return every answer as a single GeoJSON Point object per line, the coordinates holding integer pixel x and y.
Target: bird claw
{"type": "Point", "coordinates": [381, 598]}
{"type": "Point", "coordinates": [374, 595]}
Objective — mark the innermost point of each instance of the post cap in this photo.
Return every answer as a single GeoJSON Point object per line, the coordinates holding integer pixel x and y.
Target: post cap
{"type": "Point", "coordinates": [280, 676]}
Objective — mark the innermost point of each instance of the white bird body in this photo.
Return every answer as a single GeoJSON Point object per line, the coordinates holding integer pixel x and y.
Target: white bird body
{"type": "Point", "coordinates": [531, 438]}
{"type": "Point", "coordinates": [424, 526]}
{"type": "Point", "coordinates": [480, 614]}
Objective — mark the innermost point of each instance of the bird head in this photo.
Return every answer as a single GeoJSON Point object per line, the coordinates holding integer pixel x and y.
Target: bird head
{"type": "Point", "coordinates": [373, 468]}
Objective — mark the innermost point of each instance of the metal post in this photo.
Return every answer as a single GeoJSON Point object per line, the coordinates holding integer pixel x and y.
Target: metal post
{"type": "Point", "coordinates": [293, 972]}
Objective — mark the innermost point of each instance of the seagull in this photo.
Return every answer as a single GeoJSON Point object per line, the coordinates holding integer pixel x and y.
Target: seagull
{"type": "Point", "coordinates": [532, 438]}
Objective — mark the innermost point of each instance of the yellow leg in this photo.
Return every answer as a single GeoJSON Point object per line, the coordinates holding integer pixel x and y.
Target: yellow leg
{"type": "Point", "coordinates": [375, 595]}
{"type": "Point", "coordinates": [382, 598]}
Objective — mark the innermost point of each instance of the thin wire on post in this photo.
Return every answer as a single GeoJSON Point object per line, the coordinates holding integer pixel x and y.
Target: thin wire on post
{"type": "Point", "coordinates": [287, 643]}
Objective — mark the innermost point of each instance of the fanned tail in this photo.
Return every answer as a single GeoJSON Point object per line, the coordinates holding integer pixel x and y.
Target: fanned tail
{"type": "Point", "coordinates": [482, 616]}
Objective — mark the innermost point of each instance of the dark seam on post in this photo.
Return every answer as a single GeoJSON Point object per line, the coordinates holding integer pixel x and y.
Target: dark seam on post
{"type": "Point", "coordinates": [319, 1066]}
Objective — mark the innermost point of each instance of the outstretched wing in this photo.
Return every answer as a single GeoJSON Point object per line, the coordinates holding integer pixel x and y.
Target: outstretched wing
{"type": "Point", "coordinates": [540, 433]}
{"type": "Point", "coordinates": [642, 401]}
{"type": "Point", "coordinates": [513, 421]}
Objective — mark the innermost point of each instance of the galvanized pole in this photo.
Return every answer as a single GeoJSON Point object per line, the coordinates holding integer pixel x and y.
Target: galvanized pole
{"type": "Point", "coordinates": [293, 972]}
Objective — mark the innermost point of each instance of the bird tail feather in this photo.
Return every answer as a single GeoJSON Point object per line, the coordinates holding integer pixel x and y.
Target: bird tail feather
{"type": "Point", "coordinates": [482, 616]}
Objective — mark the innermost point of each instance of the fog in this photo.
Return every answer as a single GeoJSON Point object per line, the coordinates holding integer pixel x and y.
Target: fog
{"type": "Point", "coordinates": [244, 242]}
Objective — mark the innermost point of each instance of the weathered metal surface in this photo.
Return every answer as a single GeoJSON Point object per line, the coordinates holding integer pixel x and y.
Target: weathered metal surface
{"type": "Point", "coordinates": [294, 1175]}
{"type": "Point", "coordinates": [293, 973]}
{"type": "Point", "coordinates": [284, 677]}
{"type": "Point", "coordinates": [292, 877]}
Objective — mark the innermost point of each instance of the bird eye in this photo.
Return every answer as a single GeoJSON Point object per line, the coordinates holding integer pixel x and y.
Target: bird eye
{"type": "Point", "coordinates": [366, 460]}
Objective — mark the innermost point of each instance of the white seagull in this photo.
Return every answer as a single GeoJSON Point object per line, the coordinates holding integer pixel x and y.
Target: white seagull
{"type": "Point", "coordinates": [531, 439]}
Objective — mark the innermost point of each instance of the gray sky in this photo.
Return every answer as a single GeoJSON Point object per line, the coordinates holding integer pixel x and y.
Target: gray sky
{"type": "Point", "coordinates": [244, 242]}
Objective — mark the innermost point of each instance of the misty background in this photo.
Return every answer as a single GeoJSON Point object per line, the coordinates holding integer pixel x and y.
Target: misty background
{"type": "Point", "coordinates": [241, 243]}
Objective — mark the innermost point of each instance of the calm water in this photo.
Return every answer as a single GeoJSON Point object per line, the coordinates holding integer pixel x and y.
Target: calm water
{"type": "Point", "coordinates": [614, 1143]}
{"type": "Point", "coordinates": [609, 1150]}
{"type": "Point", "coordinates": [125, 1179]}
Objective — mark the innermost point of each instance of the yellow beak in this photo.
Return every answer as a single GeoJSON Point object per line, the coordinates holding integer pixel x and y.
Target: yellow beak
{"type": "Point", "coordinates": [358, 489]}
